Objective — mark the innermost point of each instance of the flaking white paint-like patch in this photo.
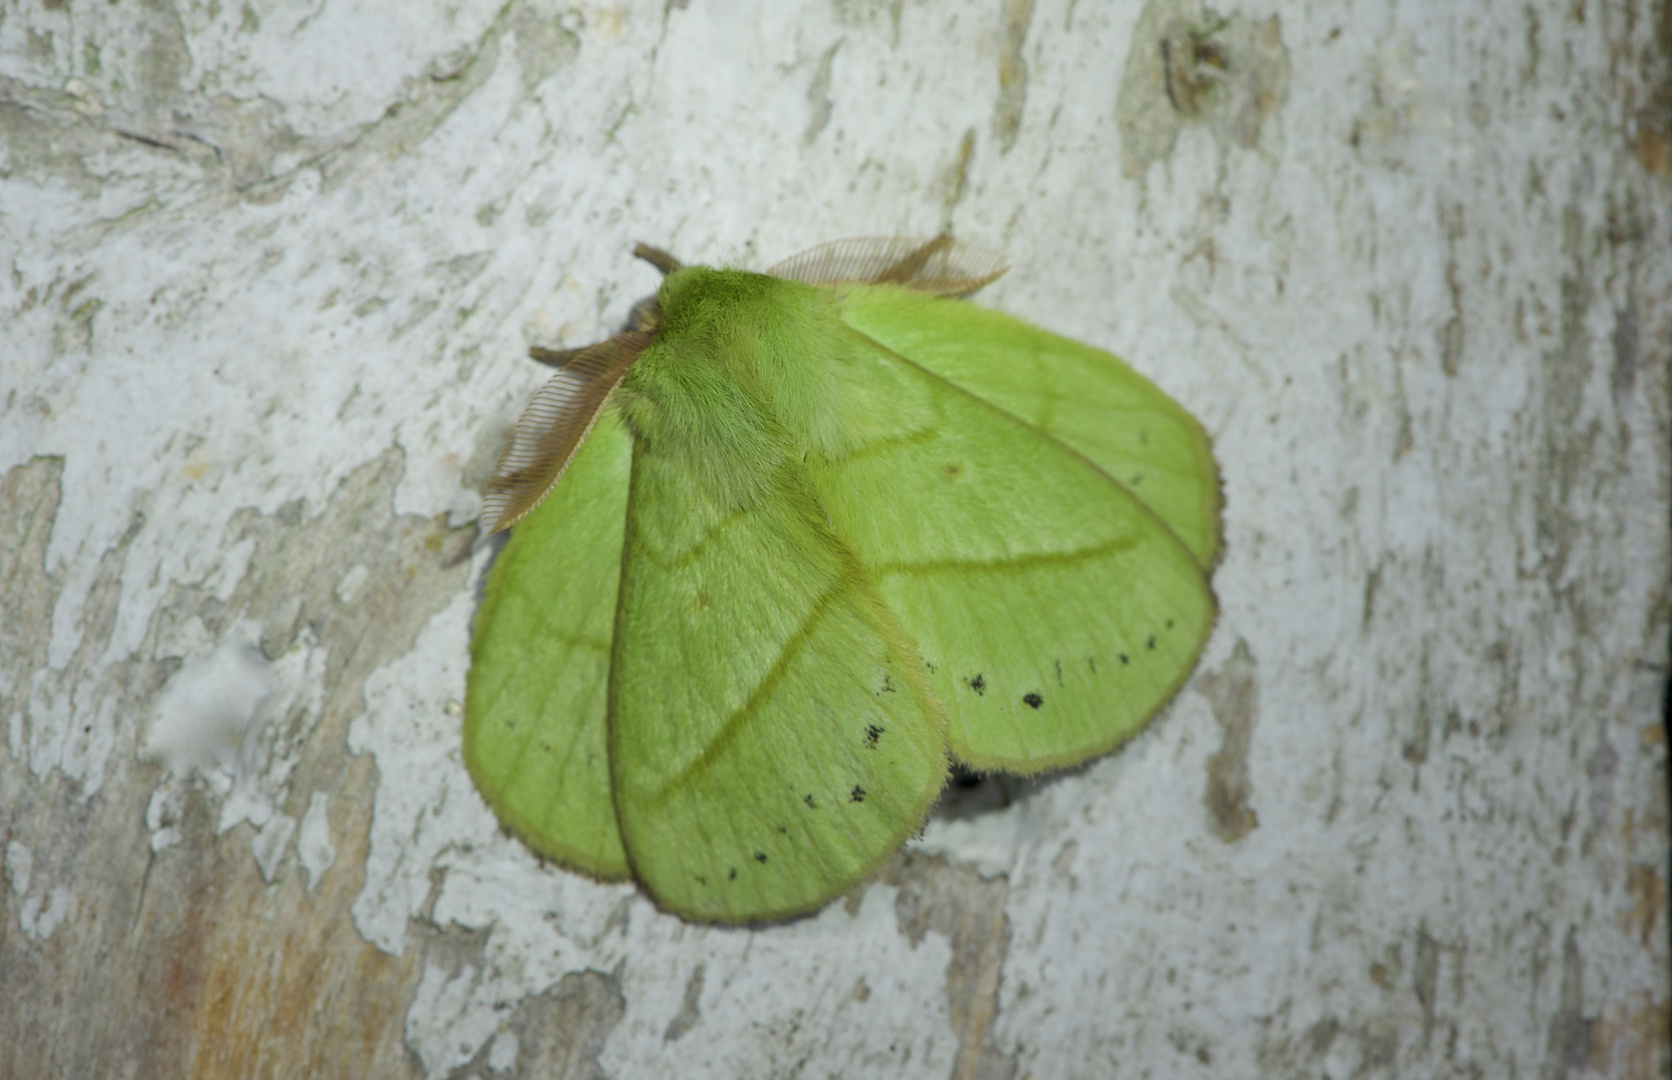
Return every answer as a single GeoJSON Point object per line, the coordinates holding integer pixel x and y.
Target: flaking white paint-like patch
{"type": "Point", "coordinates": [502, 1055]}
{"type": "Point", "coordinates": [234, 723]}
{"type": "Point", "coordinates": [269, 844]}
{"type": "Point", "coordinates": [465, 507]}
{"type": "Point", "coordinates": [39, 916]}
{"type": "Point", "coordinates": [441, 1028]}
{"type": "Point", "coordinates": [424, 803]}
{"type": "Point", "coordinates": [989, 842]}
{"type": "Point", "coordinates": [230, 569]}
{"type": "Point", "coordinates": [162, 814]}
{"type": "Point", "coordinates": [80, 570]}
{"type": "Point", "coordinates": [313, 840]}
{"type": "Point", "coordinates": [759, 987]}
{"type": "Point", "coordinates": [183, 638]}
{"type": "Point", "coordinates": [209, 707]}
{"type": "Point", "coordinates": [349, 587]}
{"type": "Point", "coordinates": [20, 864]}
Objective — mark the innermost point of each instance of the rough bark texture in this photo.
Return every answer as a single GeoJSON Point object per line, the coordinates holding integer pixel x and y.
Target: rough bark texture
{"type": "Point", "coordinates": [269, 273]}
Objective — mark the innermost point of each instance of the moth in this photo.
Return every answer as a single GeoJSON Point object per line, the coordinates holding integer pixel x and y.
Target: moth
{"type": "Point", "coordinates": [797, 542]}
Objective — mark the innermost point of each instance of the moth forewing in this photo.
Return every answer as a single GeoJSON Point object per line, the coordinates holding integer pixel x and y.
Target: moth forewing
{"type": "Point", "coordinates": [552, 427]}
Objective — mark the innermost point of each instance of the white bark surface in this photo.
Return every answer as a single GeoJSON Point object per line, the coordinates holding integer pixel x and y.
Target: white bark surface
{"type": "Point", "coordinates": [270, 270]}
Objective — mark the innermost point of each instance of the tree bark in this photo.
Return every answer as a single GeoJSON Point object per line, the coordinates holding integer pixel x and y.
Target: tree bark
{"type": "Point", "coordinates": [270, 275]}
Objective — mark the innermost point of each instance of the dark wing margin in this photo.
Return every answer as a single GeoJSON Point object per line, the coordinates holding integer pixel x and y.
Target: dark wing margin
{"type": "Point", "coordinates": [552, 427]}
{"type": "Point", "coordinates": [941, 266]}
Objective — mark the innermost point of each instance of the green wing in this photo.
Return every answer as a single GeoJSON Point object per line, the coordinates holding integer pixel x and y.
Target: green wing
{"type": "Point", "coordinates": [536, 698]}
{"type": "Point", "coordinates": [1055, 612]}
{"type": "Point", "coordinates": [1082, 396]}
{"type": "Point", "coordinates": [771, 734]}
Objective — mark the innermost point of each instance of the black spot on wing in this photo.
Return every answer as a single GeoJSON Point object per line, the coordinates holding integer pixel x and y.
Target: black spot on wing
{"type": "Point", "coordinates": [872, 734]}
{"type": "Point", "coordinates": [1123, 658]}
{"type": "Point", "coordinates": [977, 683]}
{"type": "Point", "coordinates": [760, 856]}
{"type": "Point", "coordinates": [858, 794]}
{"type": "Point", "coordinates": [808, 799]}
{"type": "Point", "coordinates": [733, 875]}
{"type": "Point", "coordinates": [1032, 701]}
{"type": "Point", "coordinates": [1150, 643]}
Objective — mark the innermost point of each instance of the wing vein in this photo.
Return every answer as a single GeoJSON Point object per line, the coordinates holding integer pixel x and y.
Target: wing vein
{"type": "Point", "coordinates": [1010, 564]}
{"type": "Point", "coordinates": [769, 682]}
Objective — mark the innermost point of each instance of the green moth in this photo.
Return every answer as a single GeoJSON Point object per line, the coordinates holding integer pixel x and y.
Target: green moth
{"type": "Point", "coordinates": [796, 543]}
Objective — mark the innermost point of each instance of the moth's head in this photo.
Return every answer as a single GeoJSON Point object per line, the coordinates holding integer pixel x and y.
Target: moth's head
{"type": "Point", "coordinates": [764, 346]}
{"type": "Point", "coordinates": [699, 303]}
